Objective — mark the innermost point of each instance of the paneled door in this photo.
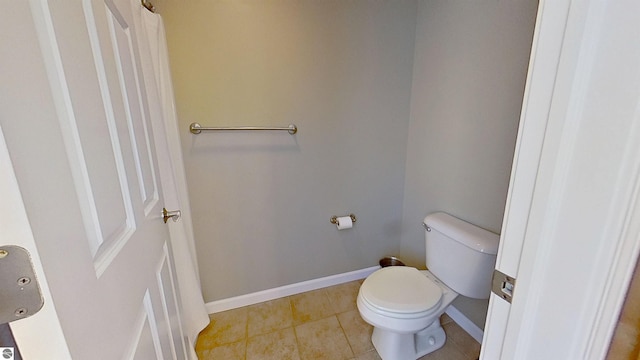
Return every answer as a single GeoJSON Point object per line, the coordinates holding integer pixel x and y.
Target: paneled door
{"type": "Point", "coordinates": [75, 116]}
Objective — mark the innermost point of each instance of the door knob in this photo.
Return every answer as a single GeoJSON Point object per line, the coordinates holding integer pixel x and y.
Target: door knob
{"type": "Point", "coordinates": [166, 215]}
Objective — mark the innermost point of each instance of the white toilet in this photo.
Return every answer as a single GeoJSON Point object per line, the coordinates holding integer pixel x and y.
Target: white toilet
{"type": "Point", "coordinates": [404, 304]}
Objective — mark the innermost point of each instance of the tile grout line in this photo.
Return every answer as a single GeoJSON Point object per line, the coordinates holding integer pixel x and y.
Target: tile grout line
{"type": "Point", "coordinates": [293, 327]}
{"type": "Point", "coordinates": [460, 347]}
{"type": "Point", "coordinates": [335, 313]}
{"type": "Point", "coordinates": [345, 335]}
{"type": "Point", "coordinates": [246, 336]}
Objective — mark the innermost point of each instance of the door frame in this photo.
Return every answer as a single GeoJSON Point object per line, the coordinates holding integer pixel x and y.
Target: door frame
{"type": "Point", "coordinates": [565, 36]}
{"type": "Point", "coordinates": [49, 342]}
{"type": "Point", "coordinates": [551, 21]}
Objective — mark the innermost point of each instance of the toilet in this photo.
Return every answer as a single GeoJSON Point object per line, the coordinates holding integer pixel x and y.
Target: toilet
{"type": "Point", "coordinates": [404, 304]}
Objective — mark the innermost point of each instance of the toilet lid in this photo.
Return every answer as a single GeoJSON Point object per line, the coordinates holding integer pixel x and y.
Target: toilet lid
{"type": "Point", "coordinates": [401, 289]}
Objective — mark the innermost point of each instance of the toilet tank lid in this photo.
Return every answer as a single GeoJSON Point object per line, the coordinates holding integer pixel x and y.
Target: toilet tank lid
{"type": "Point", "coordinates": [465, 233]}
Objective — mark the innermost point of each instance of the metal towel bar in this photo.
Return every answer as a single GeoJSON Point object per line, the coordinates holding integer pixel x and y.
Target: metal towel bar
{"type": "Point", "coordinates": [196, 128]}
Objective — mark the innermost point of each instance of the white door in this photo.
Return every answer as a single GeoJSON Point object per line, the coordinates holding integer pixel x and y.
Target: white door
{"type": "Point", "coordinates": [75, 117]}
{"type": "Point", "coordinates": [572, 222]}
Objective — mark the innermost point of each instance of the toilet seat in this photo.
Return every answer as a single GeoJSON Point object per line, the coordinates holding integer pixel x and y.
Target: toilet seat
{"type": "Point", "coordinates": [401, 292]}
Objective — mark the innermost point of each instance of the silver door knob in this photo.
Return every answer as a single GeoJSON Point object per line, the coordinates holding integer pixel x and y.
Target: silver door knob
{"type": "Point", "coordinates": [174, 215]}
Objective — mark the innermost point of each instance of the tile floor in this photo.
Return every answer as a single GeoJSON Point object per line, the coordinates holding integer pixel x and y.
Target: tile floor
{"type": "Point", "coordinates": [320, 324]}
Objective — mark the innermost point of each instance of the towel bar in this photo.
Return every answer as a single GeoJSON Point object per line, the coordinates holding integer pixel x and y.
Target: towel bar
{"type": "Point", "coordinates": [196, 128]}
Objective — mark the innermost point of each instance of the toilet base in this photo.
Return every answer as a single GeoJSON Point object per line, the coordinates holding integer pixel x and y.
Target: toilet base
{"type": "Point", "coordinates": [396, 346]}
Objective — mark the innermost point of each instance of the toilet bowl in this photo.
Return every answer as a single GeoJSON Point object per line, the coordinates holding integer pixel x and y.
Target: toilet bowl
{"type": "Point", "coordinates": [404, 304]}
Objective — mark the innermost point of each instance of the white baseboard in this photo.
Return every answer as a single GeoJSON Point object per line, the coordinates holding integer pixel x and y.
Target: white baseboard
{"type": "Point", "coordinates": [287, 290]}
{"type": "Point", "coordinates": [466, 324]}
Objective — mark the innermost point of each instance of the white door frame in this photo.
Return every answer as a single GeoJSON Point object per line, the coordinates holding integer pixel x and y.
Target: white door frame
{"type": "Point", "coordinates": [601, 240]}
{"type": "Point", "coordinates": [543, 66]}
{"type": "Point", "coordinates": [49, 341]}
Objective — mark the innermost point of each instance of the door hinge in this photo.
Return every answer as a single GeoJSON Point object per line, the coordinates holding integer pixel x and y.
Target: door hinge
{"type": "Point", "coordinates": [20, 296]}
{"type": "Point", "coordinates": [503, 285]}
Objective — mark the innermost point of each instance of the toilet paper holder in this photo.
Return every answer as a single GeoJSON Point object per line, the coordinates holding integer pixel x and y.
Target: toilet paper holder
{"type": "Point", "coordinates": [334, 219]}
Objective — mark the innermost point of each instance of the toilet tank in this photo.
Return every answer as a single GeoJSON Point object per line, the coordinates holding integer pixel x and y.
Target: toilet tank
{"type": "Point", "coordinates": [460, 254]}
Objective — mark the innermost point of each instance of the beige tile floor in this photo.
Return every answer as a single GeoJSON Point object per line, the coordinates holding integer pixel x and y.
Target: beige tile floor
{"type": "Point", "coordinates": [320, 324]}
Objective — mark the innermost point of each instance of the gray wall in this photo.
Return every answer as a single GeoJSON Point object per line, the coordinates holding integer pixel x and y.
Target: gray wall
{"type": "Point", "coordinates": [469, 73]}
{"type": "Point", "coordinates": [341, 71]}
{"type": "Point", "coordinates": [357, 77]}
